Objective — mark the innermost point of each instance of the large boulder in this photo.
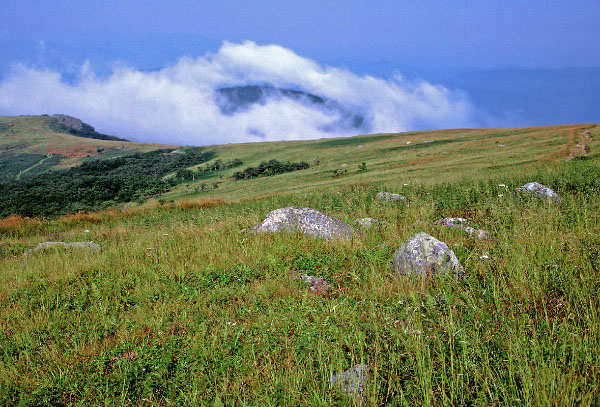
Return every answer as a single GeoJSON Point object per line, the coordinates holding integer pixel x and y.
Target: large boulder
{"type": "Point", "coordinates": [425, 256]}
{"type": "Point", "coordinates": [389, 197]}
{"type": "Point", "coordinates": [308, 221]}
{"type": "Point", "coordinates": [541, 190]}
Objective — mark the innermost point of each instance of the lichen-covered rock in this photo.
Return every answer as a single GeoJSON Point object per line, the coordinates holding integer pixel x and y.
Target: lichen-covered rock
{"type": "Point", "coordinates": [353, 381]}
{"type": "Point", "coordinates": [389, 197]}
{"type": "Point", "coordinates": [77, 245]}
{"type": "Point", "coordinates": [367, 223]}
{"type": "Point", "coordinates": [459, 223]}
{"type": "Point", "coordinates": [318, 285]}
{"type": "Point", "coordinates": [308, 221]}
{"type": "Point", "coordinates": [425, 256]}
{"type": "Point", "coordinates": [541, 190]}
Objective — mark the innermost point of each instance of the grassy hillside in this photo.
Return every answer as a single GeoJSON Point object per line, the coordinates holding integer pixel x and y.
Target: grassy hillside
{"type": "Point", "coordinates": [397, 159]}
{"type": "Point", "coordinates": [30, 145]}
{"type": "Point", "coordinates": [181, 308]}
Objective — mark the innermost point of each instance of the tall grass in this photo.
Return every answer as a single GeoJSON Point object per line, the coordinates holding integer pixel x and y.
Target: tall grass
{"type": "Point", "coordinates": [181, 308]}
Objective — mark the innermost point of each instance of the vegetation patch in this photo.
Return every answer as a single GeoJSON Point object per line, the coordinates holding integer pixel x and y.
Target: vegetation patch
{"type": "Point", "coordinates": [268, 168]}
{"type": "Point", "coordinates": [96, 184]}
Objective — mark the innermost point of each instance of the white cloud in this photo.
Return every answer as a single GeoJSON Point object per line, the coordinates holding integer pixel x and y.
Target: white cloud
{"type": "Point", "coordinates": [177, 105]}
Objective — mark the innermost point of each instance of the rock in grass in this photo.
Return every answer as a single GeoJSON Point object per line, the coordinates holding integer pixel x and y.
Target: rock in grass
{"type": "Point", "coordinates": [76, 245]}
{"type": "Point", "coordinates": [541, 190]}
{"type": "Point", "coordinates": [367, 223]}
{"type": "Point", "coordinates": [318, 285]}
{"type": "Point", "coordinates": [425, 256]}
{"type": "Point", "coordinates": [308, 221]}
{"type": "Point", "coordinates": [389, 197]}
{"type": "Point", "coordinates": [353, 381]}
{"type": "Point", "coordinates": [459, 223]}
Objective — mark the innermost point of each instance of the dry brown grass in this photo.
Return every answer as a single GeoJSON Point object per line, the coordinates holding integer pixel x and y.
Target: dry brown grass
{"type": "Point", "coordinates": [199, 203]}
{"type": "Point", "coordinates": [93, 217]}
{"type": "Point", "coordinates": [15, 221]}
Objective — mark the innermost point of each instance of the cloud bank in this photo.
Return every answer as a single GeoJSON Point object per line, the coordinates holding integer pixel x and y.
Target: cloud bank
{"type": "Point", "coordinates": [177, 104]}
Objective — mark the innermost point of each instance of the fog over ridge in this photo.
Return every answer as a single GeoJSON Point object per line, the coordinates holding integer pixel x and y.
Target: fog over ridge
{"type": "Point", "coordinates": [177, 104]}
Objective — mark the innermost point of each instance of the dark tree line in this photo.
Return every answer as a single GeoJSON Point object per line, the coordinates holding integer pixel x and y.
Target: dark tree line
{"type": "Point", "coordinates": [268, 168]}
{"type": "Point", "coordinates": [96, 184]}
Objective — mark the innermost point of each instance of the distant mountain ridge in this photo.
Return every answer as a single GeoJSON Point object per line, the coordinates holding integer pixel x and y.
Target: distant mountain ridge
{"type": "Point", "coordinates": [237, 99]}
{"type": "Point", "coordinates": [78, 128]}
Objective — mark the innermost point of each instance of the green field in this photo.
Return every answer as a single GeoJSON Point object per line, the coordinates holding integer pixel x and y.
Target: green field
{"type": "Point", "coordinates": [181, 308]}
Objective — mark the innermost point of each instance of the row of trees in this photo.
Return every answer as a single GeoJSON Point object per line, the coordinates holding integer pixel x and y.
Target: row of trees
{"type": "Point", "coordinates": [271, 167]}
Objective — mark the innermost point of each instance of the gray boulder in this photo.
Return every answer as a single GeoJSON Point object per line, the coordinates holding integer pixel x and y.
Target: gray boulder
{"type": "Point", "coordinates": [308, 221]}
{"type": "Point", "coordinates": [459, 223]}
{"type": "Point", "coordinates": [353, 381]}
{"type": "Point", "coordinates": [541, 190]}
{"type": "Point", "coordinates": [389, 197]}
{"type": "Point", "coordinates": [75, 245]}
{"type": "Point", "coordinates": [423, 255]}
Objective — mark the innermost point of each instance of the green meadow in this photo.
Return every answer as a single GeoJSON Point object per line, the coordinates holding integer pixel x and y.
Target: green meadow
{"type": "Point", "coordinates": [182, 308]}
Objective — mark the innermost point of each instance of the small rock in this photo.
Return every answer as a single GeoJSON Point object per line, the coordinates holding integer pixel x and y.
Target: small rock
{"type": "Point", "coordinates": [308, 221]}
{"type": "Point", "coordinates": [458, 223]}
{"type": "Point", "coordinates": [423, 255]}
{"type": "Point", "coordinates": [360, 146]}
{"type": "Point", "coordinates": [86, 231]}
{"type": "Point", "coordinates": [317, 284]}
{"type": "Point", "coordinates": [367, 223]}
{"type": "Point", "coordinates": [353, 381]}
{"type": "Point", "coordinates": [128, 355]}
{"type": "Point", "coordinates": [389, 197]}
{"type": "Point", "coordinates": [77, 245]}
{"type": "Point", "coordinates": [408, 143]}
{"type": "Point", "coordinates": [541, 190]}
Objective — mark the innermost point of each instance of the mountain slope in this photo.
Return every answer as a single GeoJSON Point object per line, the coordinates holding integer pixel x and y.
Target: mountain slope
{"type": "Point", "coordinates": [31, 145]}
{"type": "Point", "coordinates": [236, 99]}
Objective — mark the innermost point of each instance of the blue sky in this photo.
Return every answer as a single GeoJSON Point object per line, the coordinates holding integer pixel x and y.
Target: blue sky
{"type": "Point", "coordinates": [509, 63]}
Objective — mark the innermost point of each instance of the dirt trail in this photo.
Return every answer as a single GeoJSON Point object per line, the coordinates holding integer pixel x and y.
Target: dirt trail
{"type": "Point", "coordinates": [18, 177]}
